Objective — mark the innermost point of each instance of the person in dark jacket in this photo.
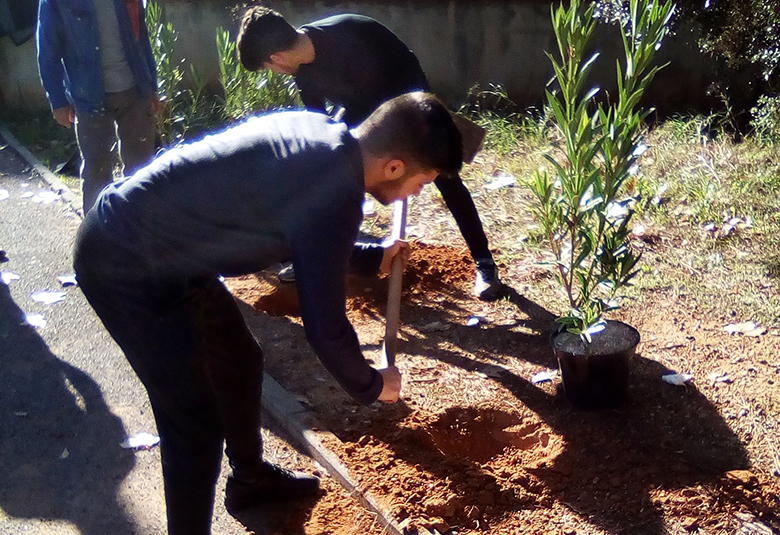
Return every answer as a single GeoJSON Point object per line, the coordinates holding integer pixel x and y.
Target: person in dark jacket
{"type": "Point", "coordinates": [354, 63]}
{"type": "Point", "coordinates": [96, 65]}
{"type": "Point", "coordinates": [150, 252]}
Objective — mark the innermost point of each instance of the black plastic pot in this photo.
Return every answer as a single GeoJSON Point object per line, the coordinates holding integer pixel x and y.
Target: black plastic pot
{"type": "Point", "coordinates": [595, 375]}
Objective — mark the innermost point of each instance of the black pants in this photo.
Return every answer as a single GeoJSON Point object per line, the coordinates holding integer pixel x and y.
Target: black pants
{"type": "Point", "coordinates": [202, 369]}
{"type": "Point", "coordinates": [459, 202]}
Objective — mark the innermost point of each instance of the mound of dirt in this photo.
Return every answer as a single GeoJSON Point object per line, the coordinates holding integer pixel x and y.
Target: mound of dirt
{"type": "Point", "coordinates": [431, 269]}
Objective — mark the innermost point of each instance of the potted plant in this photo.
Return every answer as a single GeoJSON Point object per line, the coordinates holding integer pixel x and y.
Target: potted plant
{"type": "Point", "coordinates": [582, 203]}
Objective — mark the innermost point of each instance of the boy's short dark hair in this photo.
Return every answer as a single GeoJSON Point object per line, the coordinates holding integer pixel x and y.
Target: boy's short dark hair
{"type": "Point", "coordinates": [263, 32]}
{"type": "Point", "coordinates": [415, 127]}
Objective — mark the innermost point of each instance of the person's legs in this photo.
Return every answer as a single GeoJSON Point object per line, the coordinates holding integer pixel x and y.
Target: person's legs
{"type": "Point", "coordinates": [156, 327]}
{"type": "Point", "coordinates": [135, 128]}
{"type": "Point", "coordinates": [459, 202]}
{"type": "Point", "coordinates": [235, 367]}
{"type": "Point", "coordinates": [160, 343]}
{"type": "Point", "coordinates": [96, 135]}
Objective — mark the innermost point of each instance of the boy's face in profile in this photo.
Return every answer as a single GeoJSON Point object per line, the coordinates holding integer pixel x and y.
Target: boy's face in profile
{"type": "Point", "coordinates": [401, 188]}
{"type": "Point", "coordinates": [280, 64]}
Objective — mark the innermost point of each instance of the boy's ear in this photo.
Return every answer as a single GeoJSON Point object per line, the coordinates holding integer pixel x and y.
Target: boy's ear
{"type": "Point", "coordinates": [394, 169]}
{"type": "Point", "coordinates": [277, 57]}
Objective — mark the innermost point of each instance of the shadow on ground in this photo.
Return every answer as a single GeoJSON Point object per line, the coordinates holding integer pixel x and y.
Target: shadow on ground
{"type": "Point", "coordinates": [59, 456]}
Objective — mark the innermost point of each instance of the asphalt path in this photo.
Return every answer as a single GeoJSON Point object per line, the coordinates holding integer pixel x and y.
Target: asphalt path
{"type": "Point", "coordinates": [68, 398]}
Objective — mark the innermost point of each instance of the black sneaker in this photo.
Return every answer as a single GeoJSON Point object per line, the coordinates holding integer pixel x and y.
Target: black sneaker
{"type": "Point", "coordinates": [488, 287]}
{"type": "Point", "coordinates": [275, 484]}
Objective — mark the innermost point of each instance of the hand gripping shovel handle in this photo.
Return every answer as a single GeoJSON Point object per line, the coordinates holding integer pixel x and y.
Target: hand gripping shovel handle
{"type": "Point", "coordinates": [393, 315]}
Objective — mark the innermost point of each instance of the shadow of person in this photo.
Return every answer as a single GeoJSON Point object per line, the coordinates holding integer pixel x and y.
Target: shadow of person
{"type": "Point", "coordinates": [59, 444]}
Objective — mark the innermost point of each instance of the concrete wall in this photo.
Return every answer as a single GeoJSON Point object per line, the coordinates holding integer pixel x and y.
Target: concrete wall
{"type": "Point", "coordinates": [19, 82]}
{"type": "Point", "coordinates": [459, 43]}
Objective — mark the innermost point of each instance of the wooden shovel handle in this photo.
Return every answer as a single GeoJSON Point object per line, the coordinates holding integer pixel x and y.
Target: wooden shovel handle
{"type": "Point", "coordinates": [393, 316]}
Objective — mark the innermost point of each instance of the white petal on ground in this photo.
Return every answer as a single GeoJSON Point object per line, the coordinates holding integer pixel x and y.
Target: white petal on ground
{"type": "Point", "coordinates": [473, 321]}
{"type": "Point", "coordinates": [7, 277]}
{"type": "Point", "coordinates": [45, 197]}
{"type": "Point", "coordinates": [67, 280]}
{"type": "Point", "coordinates": [369, 207]}
{"type": "Point", "coordinates": [4, 194]}
{"type": "Point", "coordinates": [677, 379]}
{"type": "Point", "coordinates": [35, 320]}
{"type": "Point", "coordinates": [719, 377]}
{"type": "Point", "coordinates": [48, 298]}
{"type": "Point", "coordinates": [502, 180]}
{"type": "Point", "coordinates": [544, 376]}
{"type": "Point", "coordinates": [740, 328]}
{"type": "Point", "coordinates": [758, 331]}
{"type": "Point", "coordinates": [140, 441]}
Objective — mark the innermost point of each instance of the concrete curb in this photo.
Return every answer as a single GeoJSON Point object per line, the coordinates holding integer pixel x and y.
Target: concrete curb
{"type": "Point", "coordinates": [71, 197]}
{"type": "Point", "coordinates": [280, 404]}
{"type": "Point", "coordinates": [303, 425]}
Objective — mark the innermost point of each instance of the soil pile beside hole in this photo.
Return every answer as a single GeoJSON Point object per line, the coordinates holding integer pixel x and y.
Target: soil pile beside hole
{"type": "Point", "coordinates": [431, 269]}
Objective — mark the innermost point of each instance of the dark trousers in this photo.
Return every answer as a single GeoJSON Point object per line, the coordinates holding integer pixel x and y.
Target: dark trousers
{"type": "Point", "coordinates": [201, 367]}
{"type": "Point", "coordinates": [459, 202]}
{"type": "Point", "coordinates": [128, 119]}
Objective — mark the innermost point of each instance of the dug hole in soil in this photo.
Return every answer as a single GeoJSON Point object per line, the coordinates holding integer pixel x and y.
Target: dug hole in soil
{"type": "Point", "coordinates": [474, 446]}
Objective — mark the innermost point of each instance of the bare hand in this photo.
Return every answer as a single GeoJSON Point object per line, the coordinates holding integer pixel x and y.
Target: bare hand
{"type": "Point", "coordinates": [392, 385]}
{"type": "Point", "coordinates": [393, 249]}
{"type": "Point", "coordinates": [64, 116]}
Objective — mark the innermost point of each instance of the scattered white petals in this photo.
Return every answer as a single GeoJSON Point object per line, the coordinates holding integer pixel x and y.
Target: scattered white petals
{"type": "Point", "coordinates": [677, 379]}
{"type": "Point", "coordinates": [35, 320]}
{"type": "Point", "coordinates": [140, 441]}
{"type": "Point", "coordinates": [4, 194]}
{"type": "Point", "coordinates": [544, 376]}
{"type": "Point", "coordinates": [27, 195]}
{"type": "Point", "coordinates": [7, 277]}
{"type": "Point", "coordinates": [48, 298]}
